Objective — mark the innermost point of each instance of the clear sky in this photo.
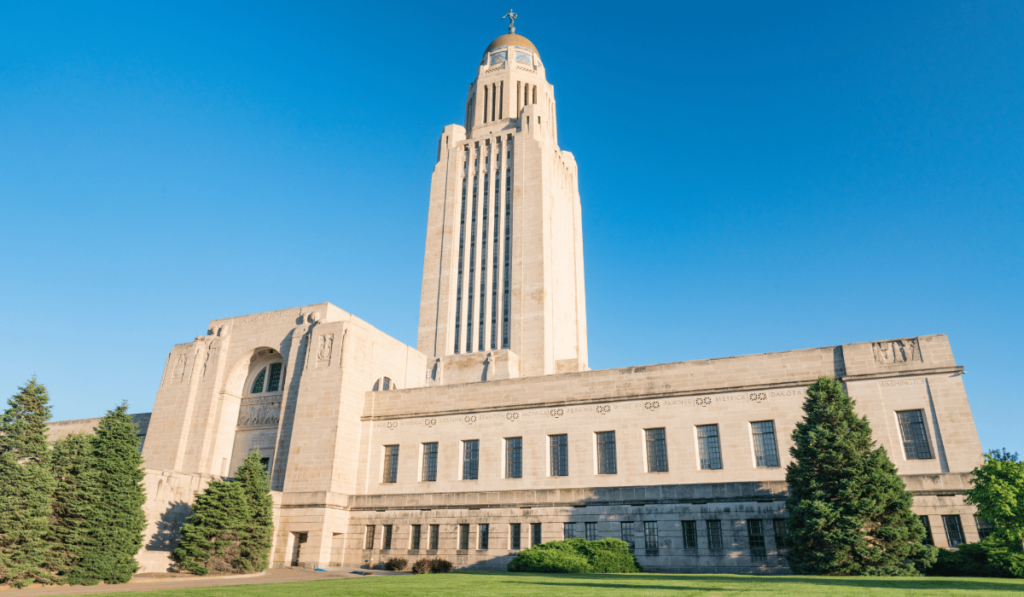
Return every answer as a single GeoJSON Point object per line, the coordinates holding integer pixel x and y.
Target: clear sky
{"type": "Point", "coordinates": [755, 176]}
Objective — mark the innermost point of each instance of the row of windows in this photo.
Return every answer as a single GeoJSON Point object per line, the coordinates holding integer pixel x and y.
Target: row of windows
{"type": "Point", "coordinates": [954, 529]}
{"type": "Point", "coordinates": [763, 435]}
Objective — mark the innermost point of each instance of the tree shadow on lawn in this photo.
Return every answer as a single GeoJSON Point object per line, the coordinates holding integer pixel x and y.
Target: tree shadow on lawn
{"type": "Point", "coordinates": [674, 582]}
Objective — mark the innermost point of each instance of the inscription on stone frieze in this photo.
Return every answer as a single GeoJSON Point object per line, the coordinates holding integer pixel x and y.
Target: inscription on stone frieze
{"type": "Point", "coordinates": [901, 382]}
{"type": "Point", "coordinates": [896, 352]}
{"type": "Point", "coordinates": [259, 415]}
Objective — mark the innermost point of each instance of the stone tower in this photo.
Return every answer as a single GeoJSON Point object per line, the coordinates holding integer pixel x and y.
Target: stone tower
{"type": "Point", "coordinates": [503, 293]}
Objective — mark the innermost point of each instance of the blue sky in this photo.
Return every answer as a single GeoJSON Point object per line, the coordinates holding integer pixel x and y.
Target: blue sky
{"type": "Point", "coordinates": [755, 176]}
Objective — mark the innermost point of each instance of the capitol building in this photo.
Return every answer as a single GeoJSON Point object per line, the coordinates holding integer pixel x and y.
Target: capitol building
{"type": "Point", "coordinates": [493, 434]}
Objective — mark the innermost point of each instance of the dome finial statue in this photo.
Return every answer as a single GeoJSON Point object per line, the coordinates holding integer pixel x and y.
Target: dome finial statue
{"type": "Point", "coordinates": [511, 16]}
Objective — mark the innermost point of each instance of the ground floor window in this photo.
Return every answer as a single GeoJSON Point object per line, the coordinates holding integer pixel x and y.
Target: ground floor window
{"type": "Point", "coordinates": [590, 530]}
{"type": "Point", "coordinates": [626, 532]}
{"type": "Point", "coordinates": [514, 532]}
{"type": "Point", "coordinates": [954, 530]}
{"type": "Point", "coordinates": [755, 534]}
{"type": "Point", "coordinates": [651, 537]}
{"type": "Point", "coordinates": [414, 542]}
{"type": "Point", "coordinates": [714, 534]}
{"type": "Point", "coordinates": [435, 530]}
{"type": "Point", "coordinates": [463, 536]}
{"type": "Point", "coordinates": [689, 534]}
{"type": "Point", "coordinates": [535, 532]}
{"type": "Point", "coordinates": [569, 530]}
{"type": "Point", "coordinates": [370, 532]}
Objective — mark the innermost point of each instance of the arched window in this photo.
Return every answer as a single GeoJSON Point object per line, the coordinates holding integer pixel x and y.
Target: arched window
{"type": "Point", "coordinates": [384, 384]}
{"type": "Point", "coordinates": [268, 380]}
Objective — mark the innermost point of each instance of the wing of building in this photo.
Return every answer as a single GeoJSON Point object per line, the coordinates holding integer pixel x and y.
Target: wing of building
{"type": "Point", "coordinates": [493, 434]}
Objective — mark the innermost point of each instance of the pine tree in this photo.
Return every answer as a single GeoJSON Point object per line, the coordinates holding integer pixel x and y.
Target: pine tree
{"type": "Point", "coordinates": [849, 512]}
{"type": "Point", "coordinates": [74, 502]}
{"type": "Point", "coordinates": [254, 551]}
{"type": "Point", "coordinates": [26, 488]}
{"type": "Point", "coordinates": [118, 520]}
{"type": "Point", "coordinates": [211, 539]}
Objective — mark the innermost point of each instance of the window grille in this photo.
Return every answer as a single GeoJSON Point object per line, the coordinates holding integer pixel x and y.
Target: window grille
{"type": "Point", "coordinates": [928, 539]}
{"type": "Point", "coordinates": [954, 530]}
{"type": "Point", "coordinates": [462, 253]}
{"type": "Point", "coordinates": [387, 536]}
{"type": "Point", "coordinates": [606, 453]}
{"type": "Point", "coordinates": [470, 458]}
{"type": "Point", "coordinates": [494, 253]}
{"type": "Point", "coordinates": [515, 535]}
{"type": "Point", "coordinates": [484, 532]}
{"type": "Point", "coordinates": [627, 535]}
{"type": "Point", "coordinates": [710, 452]}
{"type": "Point", "coordinates": [470, 294]}
{"type": "Point", "coordinates": [689, 534]}
{"type": "Point", "coordinates": [657, 455]}
{"type": "Point", "coordinates": [766, 451]}
{"type": "Point", "coordinates": [414, 542]}
{"type": "Point", "coordinates": [435, 532]}
{"type": "Point", "coordinates": [390, 464]}
{"type": "Point", "coordinates": [463, 536]}
{"type": "Point", "coordinates": [915, 438]}
{"type": "Point", "coordinates": [651, 537]}
{"type": "Point", "coordinates": [590, 531]}
{"type": "Point", "coordinates": [274, 381]}
{"type": "Point", "coordinates": [507, 272]}
{"type": "Point", "coordinates": [483, 256]}
{"type": "Point", "coordinates": [535, 532]}
{"type": "Point", "coordinates": [429, 462]}
{"type": "Point", "coordinates": [985, 528]}
{"type": "Point", "coordinates": [755, 534]}
{"type": "Point", "coordinates": [781, 530]}
{"type": "Point", "coordinates": [559, 455]}
{"type": "Point", "coordinates": [715, 534]}
{"type": "Point", "coordinates": [370, 532]}
{"type": "Point", "coordinates": [569, 530]}
{"type": "Point", "coordinates": [257, 384]}
{"type": "Point", "coordinates": [513, 458]}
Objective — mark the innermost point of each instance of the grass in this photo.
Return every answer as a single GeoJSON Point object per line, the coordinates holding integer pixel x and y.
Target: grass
{"type": "Point", "coordinates": [488, 584]}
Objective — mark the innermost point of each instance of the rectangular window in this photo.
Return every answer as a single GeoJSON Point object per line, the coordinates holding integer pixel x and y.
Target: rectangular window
{"type": "Point", "coordinates": [766, 451]}
{"type": "Point", "coordinates": [470, 458]}
{"type": "Point", "coordinates": [484, 531]}
{"type": "Point", "coordinates": [463, 536]}
{"type": "Point", "coordinates": [429, 462]}
{"type": "Point", "coordinates": [657, 455]}
{"type": "Point", "coordinates": [689, 534]}
{"type": "Point", "coordinates": [710, 452]}
{"type": "Point", "coordinates": [915, 438]}
{"type": "Point", "coordinates": [954, 530]}
{"type": "Point", "coordinates": [390, 464]}
{"type": "Point", "coordinates": [274, 381]}
{"type": "Point", "coordinates": [435, 531]}
{"type": "Point", "coordinates": [513, 458]}
{"type": "Point", "coordinates": [387, 536]}
{"type": "Point", "coordinates": [626, 533]}
{"type": "Point", "coordinates": [758, 550]}
{"type": "Point", "coordinates": [515, 535]}
{"type": "Point", "coordinates": [928, 539]}
{"type": "Point", "coordinates": [559, 455]}
{"type": "Point", "coordinates": [714, 534]}
{"type": "Point", "coordinates": [781, 531]}
{"type": "Point", "coordinates": [651, 537]}
{"type": "Point", "coordinates": [414, 542]}
{"type": "Point", "coordinates": [985, 528]}
{"type": "Point", "coordinates": [370, 532]}
{"type": "Point", "coordinates": [606, 453]}
{"type": "Point", "coordinates": [590, 530]}
{"type": "Point", "coordinates": [535, 532]}
{"type": "Point", "coordinates": [569, 530]}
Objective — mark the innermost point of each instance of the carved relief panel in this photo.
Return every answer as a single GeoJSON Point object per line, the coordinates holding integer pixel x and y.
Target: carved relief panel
{"type": "Point", "coordinates": [897, 352]}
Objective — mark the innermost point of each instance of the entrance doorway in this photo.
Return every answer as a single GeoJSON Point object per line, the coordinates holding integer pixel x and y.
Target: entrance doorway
{"type": "Point", "coordinates": [297, 540]}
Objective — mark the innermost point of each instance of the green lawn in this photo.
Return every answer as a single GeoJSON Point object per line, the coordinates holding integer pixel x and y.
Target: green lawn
{"type": "Point", "coordinates": [488, 584]}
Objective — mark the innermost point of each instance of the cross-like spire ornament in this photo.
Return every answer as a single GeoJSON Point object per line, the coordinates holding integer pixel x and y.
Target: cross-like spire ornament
{"type": "Point", "coordinates": [511, 16]}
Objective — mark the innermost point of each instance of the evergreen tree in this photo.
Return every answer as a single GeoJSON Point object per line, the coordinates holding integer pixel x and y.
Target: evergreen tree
{"type": "Point", "coordinates": [118, 520]}
{"type": "Point", "coordinates": [26, 488]}
{"type": "Point", "coordinates": [254, 552]}
{"type": "Point", "coordinates": [211, 539]}
{"type": "Point", "coordinates": [849, 512]}
{"type": "Point", "coordinates": [74, 502]}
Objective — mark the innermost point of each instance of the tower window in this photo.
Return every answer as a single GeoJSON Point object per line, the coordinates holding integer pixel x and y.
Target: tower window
{"type": "Point", "coordinates": [657, 455]}
{"type": "Point", "coordinates": [429, 462]}
{"type": "Point", "coordinates": [470, 458]}
{"type": "Point", "coordinates": [710, 451]}
{"type": "Point", "coordinates": [606, 453]}
{"type": "Point", "coordinates": [915, 438]}
{"type": "Point", "coordinates": [559, 455]}
{"type": "Point", "coordinates": [390, 464]}
{"type": "Point", "coordinates": [513, 458]}
{"type": "Point", "coordinates": [766, 452]}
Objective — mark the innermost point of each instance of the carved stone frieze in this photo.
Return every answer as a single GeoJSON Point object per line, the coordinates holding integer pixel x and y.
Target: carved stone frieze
{"type": "Point", "coordinates": [897, 352]}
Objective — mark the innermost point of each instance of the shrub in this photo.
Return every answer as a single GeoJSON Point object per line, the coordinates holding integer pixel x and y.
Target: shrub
{"type": "Point", "coordinates": [576, 556]}
{"type": "Point", "coordinates": [396, 564]}
{"type": "Point", "coordinates": [430, 565]}
{"type": "Point", "coordinates": [993, 557]}
{"type": "Point", "coordinates": [438, 566]}
{"type": "Point", "coordinates": [422, 566]}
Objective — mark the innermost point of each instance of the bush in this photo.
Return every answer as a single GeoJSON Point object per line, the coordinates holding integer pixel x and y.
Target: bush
{"type": "Point", "coordinates": [577, 556]}
{"type": "Point", "coordinates": [990, 558]}
{"type": "Point", "coordinates": [430, 565]}
{"type": "Point", "coordinates": [396, 564]}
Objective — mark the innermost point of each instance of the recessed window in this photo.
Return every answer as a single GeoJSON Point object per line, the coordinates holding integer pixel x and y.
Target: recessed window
{"type": "Point", "coordinates": [590, 531]}
{"type": "Point", "coordinates": [470, 458]}
{"type": "Point", "coordinates": [370, 531]}
{"type": "Point", "coordinates": [429, 462]}
{"type": "Point", "coordinates": [689, 534]}
{"type": "Point", "coordinates": [559, 455]}
{"type": "Point", "coordinates": [657, 455]}
{"type": "Point", "coordinates": [484, 530]}
{"type": "Point", "coordinates": [755, 535]}
{"type": "Point", "coordinates": [710, 450]}
{"type": "Point", "coordinates": [928, 539]}
{"type": "Point", "coordinates": [435, 532]}
{"type": "Point", "coordinates": [915, 437]}
{"type": "Point", "coordinates": [569, 530]}
{"type": "Point", "coordinates": [626, 533]}
{"type": "Point", "coordinates": [985, 528]}
{"type": "Point", "coordinates": [954, 530]}
{"type": "Point", "coordinates": [766, 452]}
{"type": "Point", "coordinates": [781, 532]}
{"type": "Point", "coordinates": [267, 380]}
{"type": "Point", "coordinates": [606, 453]}
{"type": "Point", "coordinates": [513, 458]}
{"type": "Point", "coordinates": [414, 540]}
{"type": "Point", "coordinates": [714, 534]}
{"type": "Point", "coordinates": [535, 533]}
{"type": "Point", "coordinates": [515, 531]}
{"type": "Point", "coordinates": [651, 537]}
{"type": "Point", "coordinates": [387, 536]}
{"type": "Point", "coordinates": [463, 536]}
{"type": "Point", "coordinates": [384, 384]}
{"type": "Point", "coordinates": [390, 464]}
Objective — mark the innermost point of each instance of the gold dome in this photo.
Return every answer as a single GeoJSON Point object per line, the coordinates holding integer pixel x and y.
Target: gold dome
{"type": "Point", "coordinates": [511, 39]}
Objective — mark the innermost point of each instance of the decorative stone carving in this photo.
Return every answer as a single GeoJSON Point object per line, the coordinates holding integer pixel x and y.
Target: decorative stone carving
{"type": "Point", "coordinates": [325, 347]}
{"type": "Point", "coordinates": [897, 352]}
{"type": "Point", "coordinates": [259, 415]}
{"type": "Point", "coordinates": [178, 374]}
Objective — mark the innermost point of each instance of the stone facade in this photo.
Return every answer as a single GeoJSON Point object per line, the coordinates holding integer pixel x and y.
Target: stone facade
{"type": "Point", "coordinates": [378, 449]}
